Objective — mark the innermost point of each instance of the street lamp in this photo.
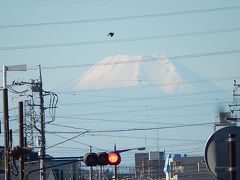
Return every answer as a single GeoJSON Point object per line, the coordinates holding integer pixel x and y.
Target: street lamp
{"type": "Point", "coordinates": [138, 149]}
{"type": "Point", "coordinates": [6, 117]}
{"type": "Point", "coordinates": [121, 151]}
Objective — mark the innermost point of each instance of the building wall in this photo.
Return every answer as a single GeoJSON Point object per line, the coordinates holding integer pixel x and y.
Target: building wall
{"type": "Point", "coordinates": [189, 168]}
{"type": "Point", "coordinates": [65, 172]}
{"type": "Point", "coordinates": [182, 168]}
{"type": "Point", "coordinates": [141, 165]}
{"type": "Point", "coordinates": [149, 167]}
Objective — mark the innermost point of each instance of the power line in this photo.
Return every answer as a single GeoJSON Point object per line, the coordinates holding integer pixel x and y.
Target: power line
{"type": "Point", "coordinates": [149, 138]}
{"type": "Point", "coordinates": [123, 17]}
{"type": "Point", "coordinates": [66, 126]}
{"type": "Point", "coordinates": [80, 116]}
{"type": "Point", "coordinates": [146, 60]}
{"type": "Point", "coordinates": [168, 145]}
{"type": "Point", "coordinates": [143, 38]}
{"type": "Point", "coordinates": [144, 109]}
{"type": "Point", "coordinates": [168, 83]}
{"type": "Point", "coordinates": [69, 139]}
{"type": "Point", "coordinates": [72, 139]}
{"type": "Point", "coordinates": [78, 92]}
{"type": "Point", "coordinates": [46, 2]}
{"type": "Point", "coordinates": [121, 120]}
{"type": "Point", "coordinates": [135, 129]}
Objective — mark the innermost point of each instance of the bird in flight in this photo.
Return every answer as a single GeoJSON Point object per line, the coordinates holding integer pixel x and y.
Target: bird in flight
{"type": "Point", "coordinates": [111, 34]}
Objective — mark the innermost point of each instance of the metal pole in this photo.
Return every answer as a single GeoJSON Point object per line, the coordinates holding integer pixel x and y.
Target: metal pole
{"type": "Point", "coordinates": [21, 140]}
{"type": "Point", "coordinates": [6, 117]}
{"type": "Point", "coordinates": [5, 77]}
{"type": "Point", "coordinates": [232, 156]}
{"type": "Point", "coordinates": [91, 169]}
{"type": "Point", "coordinates": [101, 172]}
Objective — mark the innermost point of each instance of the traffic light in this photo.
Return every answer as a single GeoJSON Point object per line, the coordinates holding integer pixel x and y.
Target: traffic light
{"type": "Point", "coordinates": [114, 158]}
{"type": "Point", "coordinates": [102, 158]}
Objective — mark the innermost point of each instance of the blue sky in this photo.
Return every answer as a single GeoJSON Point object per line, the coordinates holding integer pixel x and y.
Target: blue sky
{"type": "Point", "coordinates": [67, 38]}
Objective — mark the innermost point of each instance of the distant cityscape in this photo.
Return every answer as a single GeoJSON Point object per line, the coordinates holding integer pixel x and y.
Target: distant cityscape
{"type": "Point", "coordinates": [151, 166]}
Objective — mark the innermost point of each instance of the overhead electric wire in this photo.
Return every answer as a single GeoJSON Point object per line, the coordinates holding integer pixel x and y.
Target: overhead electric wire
{"type": "Point", "coordinates": [177, 13]}
{"type": "Point", "coordinates": [46, 2]}
{"type": "Point", "coordinates": [106, 120]}
{"type": "Point", "coordinates": [146, 60]}
{"type": "Point", "coordinates": [123, 99]}
{"type": "Point", "coordinates": [133, 129]}
{"type": "Point", "coordinates": [178, 83]}
{"type": "Point", "coordinates": [183, 145]}
{"type": "Point", "coordinates": [129, 152]}
{"type": "Point", "coordinates": [76, 117]}
{"type": "Point", "coordinates": [143, 38]}
{"type": "Point", "coordinates": [69, 139]}
{"type": "Point", "coordinates": [151, 128]}
{"type": "Point", "coordinates": [67, 126]}
{"type": "Point", "coordinates": [148, 138]}
{"type": "Point", "coordinates": [171, 96]}
{"type": "Point", "coordinates": [10, 109]}
{"type": "Point", "coordinates": [149, 109]}
{"type": "Point", "coordinates": [72, 139]}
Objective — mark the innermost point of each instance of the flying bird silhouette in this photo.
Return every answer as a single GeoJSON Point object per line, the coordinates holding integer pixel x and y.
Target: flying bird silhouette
{"type": "Point", "coordinates": [111, 34]}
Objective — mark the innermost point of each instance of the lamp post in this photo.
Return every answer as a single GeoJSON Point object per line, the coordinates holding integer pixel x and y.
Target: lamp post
{"type": "Point", "coordinates": [121, 151]}
{"type": "Point", "coordinates": [6, 116]}
{"type": "Point", "coordinates": [125, 150]}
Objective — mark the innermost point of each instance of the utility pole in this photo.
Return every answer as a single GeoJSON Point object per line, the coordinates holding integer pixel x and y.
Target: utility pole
{"type": "Point", "coordinates": [42, 128]}
{"type": "Point", "coordinates": [21, 140]}
{"type": "Point", "coordinates": [6, 134]}
{"type": "Point", "coordinates": [6, 117]}
{"type": "Point", "coordinates": [6, 125]}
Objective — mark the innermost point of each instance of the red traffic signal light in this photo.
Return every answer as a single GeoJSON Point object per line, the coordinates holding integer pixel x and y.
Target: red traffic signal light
{"type": "Point", "coordinates": [102, 158]}
{"type": "Point", "coordinates": [114, 158]}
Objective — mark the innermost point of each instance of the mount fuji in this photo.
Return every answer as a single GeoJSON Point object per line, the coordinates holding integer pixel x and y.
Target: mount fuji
{"type": "Point", "coordinates": [129, 71]}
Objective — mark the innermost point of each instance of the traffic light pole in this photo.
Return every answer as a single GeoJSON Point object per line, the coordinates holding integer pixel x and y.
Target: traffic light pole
{"type": "Point", "coordinates": [91, 169]}
{"type": "Point", "coordinates": [115, 166]}
{"type": "Point", "coordinates": [101, 173]}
